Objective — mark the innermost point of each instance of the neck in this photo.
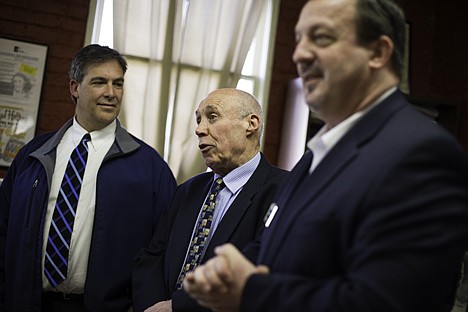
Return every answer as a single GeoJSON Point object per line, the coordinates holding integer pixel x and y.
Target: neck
{"type": "Point", "coordinates": [360, 101]}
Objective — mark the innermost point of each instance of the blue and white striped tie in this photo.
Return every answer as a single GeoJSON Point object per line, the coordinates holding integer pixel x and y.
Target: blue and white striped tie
{"type": "Point", "coordinates": [58, 243]}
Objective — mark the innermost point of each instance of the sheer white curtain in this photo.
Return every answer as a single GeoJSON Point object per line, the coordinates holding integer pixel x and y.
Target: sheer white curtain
{"type": "Point", "coordinates": [178, 51]}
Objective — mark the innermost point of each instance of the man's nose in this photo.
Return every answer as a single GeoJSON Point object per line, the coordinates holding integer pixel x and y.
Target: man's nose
{"type": "Point", "coordinates": [303, 52]}
{"type": "Point", "coordinates": [109, 90]}
{"type": "Point", "coordinates": [200, 130]}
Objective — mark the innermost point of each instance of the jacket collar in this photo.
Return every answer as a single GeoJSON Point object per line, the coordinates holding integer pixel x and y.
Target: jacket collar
{"type": "Point", "coordinates": [124, 142]}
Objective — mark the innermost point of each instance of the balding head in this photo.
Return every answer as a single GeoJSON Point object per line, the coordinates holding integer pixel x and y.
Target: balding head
{"type": "Point", "coordinates": [229, 129]}
{"type": "Point", "coordinates": [243, 102]}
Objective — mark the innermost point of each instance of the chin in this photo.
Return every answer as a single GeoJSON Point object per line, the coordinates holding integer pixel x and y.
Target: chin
{"type": "Point", "coordinates": [312, 102]}
{"type": "Point", "coordinates": [208, 163]}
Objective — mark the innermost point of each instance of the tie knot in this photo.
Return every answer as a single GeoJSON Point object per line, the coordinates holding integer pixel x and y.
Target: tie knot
{"type": "Point", "coordinates": [86, 138]}
{"type": "Point", "coordinates": [218, 185]}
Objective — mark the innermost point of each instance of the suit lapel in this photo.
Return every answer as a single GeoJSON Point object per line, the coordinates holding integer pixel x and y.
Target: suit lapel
{"type": "Point", "coordinates": [290, 206]}
{"type": "Point", "coordinates": [302, 197]}
{"type": "Point", "coordinates": [241, 204]}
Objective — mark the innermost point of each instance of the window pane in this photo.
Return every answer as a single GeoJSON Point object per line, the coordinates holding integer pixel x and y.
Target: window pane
{"type": "Point", "coordinates": [246, 85]}
{"type": "Point", "coordinates": [248, 69]}
{"type": "Point", "coordinates": [105, 36]}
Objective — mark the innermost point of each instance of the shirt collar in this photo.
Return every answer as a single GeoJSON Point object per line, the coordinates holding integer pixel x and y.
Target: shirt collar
{"type": "Point", "coordinates": [325, 139]}
{"type": "Point", "coordinates": [98, 137]}
{"type": "Point", "coordinates": [238, 177]}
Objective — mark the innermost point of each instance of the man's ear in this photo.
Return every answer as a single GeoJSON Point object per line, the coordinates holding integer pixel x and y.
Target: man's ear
{"type": "Point", "coordinates": [74, 88]}
{"type": "Point", "coordinates": [254, 124]}
{"type": "Point", "coordinates": [381, 52]}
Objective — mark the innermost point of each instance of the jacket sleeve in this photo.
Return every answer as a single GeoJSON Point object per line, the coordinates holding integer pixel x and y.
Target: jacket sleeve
{"type": "Point", "coordinates": [5, 193]}
{"type": "Point", "coordinates": [147, 276]}
{"type": "Point", "coordinates": [148, 283]}
{"type": "Point", "coordinates": [147, 280]}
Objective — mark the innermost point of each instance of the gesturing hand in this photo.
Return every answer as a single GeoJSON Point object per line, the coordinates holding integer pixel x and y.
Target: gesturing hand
{"type": "Point", "coordinates": [218, 284]}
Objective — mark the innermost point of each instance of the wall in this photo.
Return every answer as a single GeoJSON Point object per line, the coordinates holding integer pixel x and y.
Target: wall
{"type": "Point", "coordinates": [439, 67]}
{"type": "Point", "coordinates": [61, 25]}
{"type": "Point", "coordinates": [283, 71]}
{"type": "Point", "coordinates": [439, 70]}
{"type": "Point", "coordinates": [438, 63]}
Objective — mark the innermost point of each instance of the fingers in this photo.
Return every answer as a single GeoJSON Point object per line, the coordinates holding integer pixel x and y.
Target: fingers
{"type": "Point", "coordinates": [262, 269]}
{"type": "Point", "coordinates": [218, 284]}
{"type": "Point", "coordinates": [163, 306]}
{"type": "Point", "coordinates": [213, 275]}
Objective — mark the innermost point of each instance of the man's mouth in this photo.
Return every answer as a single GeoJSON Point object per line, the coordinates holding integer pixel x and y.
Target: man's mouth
{"type": "Point", "coordinates": [311, 78]}
{"type": "Point", "coordinates": [311, 74]}
{"type": "Point", "coordinates": [107, 105]}
{"type": "Point", "coordinates": [204, 147]}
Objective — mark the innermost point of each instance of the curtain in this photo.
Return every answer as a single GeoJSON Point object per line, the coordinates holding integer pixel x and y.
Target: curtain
{"type": "Point", "coordinates": [177, 52]}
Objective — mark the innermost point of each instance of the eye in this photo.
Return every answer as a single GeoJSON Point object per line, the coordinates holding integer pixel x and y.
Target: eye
{"type": "Point", "coordinates": [98, 82]}
{"type": "Point", "coordinates": [212, 117]}
{"type": "Point", "coordinates": [119, 84]}
{"type": "Point", "coordinates": [322, 40]}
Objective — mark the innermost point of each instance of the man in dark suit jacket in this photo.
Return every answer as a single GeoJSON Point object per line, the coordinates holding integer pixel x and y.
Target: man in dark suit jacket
{"type": "Point", "coordinates": [377, 221]}
{"type": "Point", "coordinates": [229, 128]}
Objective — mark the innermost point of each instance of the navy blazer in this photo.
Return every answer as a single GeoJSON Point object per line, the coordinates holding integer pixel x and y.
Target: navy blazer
{"type": "Point", "coordinates": [158, 267]}
{"type": "Point", "coordinates": [380, 225]}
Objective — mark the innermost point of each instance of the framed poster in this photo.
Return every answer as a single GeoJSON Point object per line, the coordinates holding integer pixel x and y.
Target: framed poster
{"type": "Point", "coordinates": [21, 73]}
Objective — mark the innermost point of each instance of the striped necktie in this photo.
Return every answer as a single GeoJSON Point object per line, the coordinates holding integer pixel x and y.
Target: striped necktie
{"type": "Point", "coordinates": [199, 237]}
{"type": "Point", "coordinates": [58, 243]}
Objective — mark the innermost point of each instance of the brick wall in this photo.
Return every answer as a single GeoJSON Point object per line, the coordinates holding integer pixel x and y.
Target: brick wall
{"type": "Point", "coordinates": [61, 25]}
{"type": "Point", "coordinates": [439, 69]}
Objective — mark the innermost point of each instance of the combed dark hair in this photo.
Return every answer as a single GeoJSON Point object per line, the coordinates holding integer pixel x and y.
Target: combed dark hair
{"type": "Point", "coordinates": [91, 55]}
{"type": "Point", "coordinates": [382, 17]}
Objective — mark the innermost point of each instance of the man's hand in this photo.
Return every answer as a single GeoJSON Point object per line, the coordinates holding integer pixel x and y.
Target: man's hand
{"type": "Point", "coordinates": [163, 306]}
{"type": "Point", "coordinates": [219, 283]}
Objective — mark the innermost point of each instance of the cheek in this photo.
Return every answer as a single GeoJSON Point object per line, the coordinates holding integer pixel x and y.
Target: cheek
{"type": "Point", "coordinates": [235, 141]}
{"type": "Point", "coordinates": [223, 145]}
{"type": "Point", "coordinates": [119, 94]}
{"type": "Point", "coordinates": [224, 140]}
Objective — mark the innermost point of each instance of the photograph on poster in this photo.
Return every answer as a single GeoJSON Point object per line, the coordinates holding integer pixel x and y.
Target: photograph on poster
{"type": "Point", "coordinates": [21, 73]}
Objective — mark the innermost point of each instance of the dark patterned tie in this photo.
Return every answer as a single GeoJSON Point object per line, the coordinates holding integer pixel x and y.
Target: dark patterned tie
{"type": "Point", "coordinates": [61, 227]}
{"type": "Point", "coordinates": [201, 233]}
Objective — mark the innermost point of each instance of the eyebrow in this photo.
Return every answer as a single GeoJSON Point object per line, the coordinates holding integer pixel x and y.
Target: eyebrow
{"type": "Point", "coordinates": [99, 78]}
{"type": "Point", "coordinates": [211, 108]}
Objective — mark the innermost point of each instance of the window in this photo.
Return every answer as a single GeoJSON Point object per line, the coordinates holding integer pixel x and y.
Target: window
{"type": "Point", "coordinates": [178, 51]}
{"type": "Point", "coordinates": [254, 78]}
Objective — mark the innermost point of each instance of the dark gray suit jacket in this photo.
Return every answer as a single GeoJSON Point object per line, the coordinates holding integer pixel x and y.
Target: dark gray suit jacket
{"type": "Point", "coordinates": [379, 225]}
{"type": "Point", "coordinates": [158, 266]}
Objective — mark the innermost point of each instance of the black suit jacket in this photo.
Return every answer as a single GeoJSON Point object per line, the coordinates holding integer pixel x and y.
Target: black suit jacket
{"type": "Point", "coordinates": [158, 266]}
{"type": "Point", "coordinates": [379, 225]}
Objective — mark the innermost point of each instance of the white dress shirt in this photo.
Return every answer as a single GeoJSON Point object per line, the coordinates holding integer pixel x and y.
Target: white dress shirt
{"type": "Point", "coordinates": [101, 141]}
